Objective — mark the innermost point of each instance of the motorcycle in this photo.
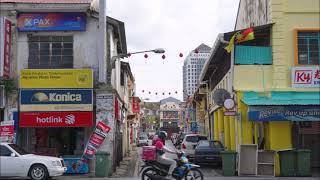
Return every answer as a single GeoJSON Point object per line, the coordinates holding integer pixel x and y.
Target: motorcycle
{"type": "Point", "coordinates": [153, 170]}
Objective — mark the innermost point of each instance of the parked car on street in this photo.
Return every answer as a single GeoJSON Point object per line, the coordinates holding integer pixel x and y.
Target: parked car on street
{"type": "Point", "coordinates": [190, 142]}
{"type": "Point", "coordinates": [208, 152]}
{"type": "Point", "coordinates": [143, 141]}
{"type": "Point", "coordinates": [16, 162]}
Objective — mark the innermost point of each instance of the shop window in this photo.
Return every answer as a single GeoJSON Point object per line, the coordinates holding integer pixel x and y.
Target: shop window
{"type": "Point", "coordinates": [50, 52]}
{"type": "Point", "coordinates": [308, 47]}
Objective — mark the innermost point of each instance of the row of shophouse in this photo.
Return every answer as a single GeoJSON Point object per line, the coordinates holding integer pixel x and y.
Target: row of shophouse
{"type": "Point", "coordinates": [272, 79]}
{"type": "Point", "coordinates": [62, 58]}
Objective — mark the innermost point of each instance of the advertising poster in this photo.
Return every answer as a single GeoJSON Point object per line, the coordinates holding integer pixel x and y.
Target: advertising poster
{"type": "Point", "coordinates": [56, 78]}
{"type": "Point", "coordinates": [96, 140]}
{"type": "Point", "coordinates": [7, 131]}
{"type": "Point", "coordinates": [51, 22]}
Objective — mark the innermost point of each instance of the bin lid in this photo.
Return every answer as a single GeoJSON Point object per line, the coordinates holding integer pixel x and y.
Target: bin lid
{"type": "Point", "coordinates": [102, 153]}
{"type": "Point", "coordinates": [285, 150]}
{"type": "Point", "coordinates": [303, 150]}
{"type": "Point", "coordinates": [228, 152]}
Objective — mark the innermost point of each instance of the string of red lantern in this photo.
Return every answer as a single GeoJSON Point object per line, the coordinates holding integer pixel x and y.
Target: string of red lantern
{"type": "Point", "coordinates": [156, 93]}
{"type": "Point", "coordinates": [164, 56]}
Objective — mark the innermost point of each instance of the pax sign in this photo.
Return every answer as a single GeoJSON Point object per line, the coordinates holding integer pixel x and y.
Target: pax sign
{"type": "Point", "coordinates": [306, 77]}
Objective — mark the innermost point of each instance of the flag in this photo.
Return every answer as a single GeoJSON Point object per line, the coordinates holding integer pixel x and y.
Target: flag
{"type": "Point", "coordinates": [231, 42]}
{"type": "Point", "coordinates": [238, 37]}
{"type": "Point", "coordinates": [246, 35]}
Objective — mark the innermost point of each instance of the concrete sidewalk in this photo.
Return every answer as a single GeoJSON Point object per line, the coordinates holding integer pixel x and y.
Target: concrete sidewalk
{"type": "Point", "coordinates": [128, 167]}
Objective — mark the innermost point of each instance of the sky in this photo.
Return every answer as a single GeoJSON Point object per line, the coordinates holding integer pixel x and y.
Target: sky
{"type": "Point", "coordinates": [178, 26]}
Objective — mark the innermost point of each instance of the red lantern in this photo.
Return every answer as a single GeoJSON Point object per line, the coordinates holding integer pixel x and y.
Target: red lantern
{"type": "Point", "coordinates": [149, 92]}
{"type": "Point", "coordinates": [162, 93]}
{"type": "Point", "coordinates": [196, 51]}
{"type": "Point", "coordinates": [129, 54]}
{"type": "Point", "coordinates": [169, 93]}
{"type": "Point", "coordinates": [181, 55]}
{"type": "Point", "coordinates": [156, 93]}
{"type": "Point", "coordinates": [143, 91]}
{"type": "Point", "coordinates": [145, 55]}
{"type": "Point", "coordinates": [176, 92]}
{"type": "Point", "coordinates": [163, 56]}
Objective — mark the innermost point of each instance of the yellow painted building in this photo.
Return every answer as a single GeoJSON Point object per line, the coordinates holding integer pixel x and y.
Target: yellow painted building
{"type": "Point", "coordinates": [273, 79]}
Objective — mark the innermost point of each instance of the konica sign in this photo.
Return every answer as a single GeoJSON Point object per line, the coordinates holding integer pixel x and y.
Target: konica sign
{"type": "Point", "coordinates": [56, 100]}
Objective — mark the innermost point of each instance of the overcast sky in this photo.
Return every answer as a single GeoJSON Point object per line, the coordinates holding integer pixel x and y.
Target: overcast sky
{"type": "Point", "coordinates": [178, 26]}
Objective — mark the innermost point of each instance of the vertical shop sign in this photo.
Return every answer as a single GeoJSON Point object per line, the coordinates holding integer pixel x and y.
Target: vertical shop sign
{"type": "Point", "coordinates": [5, 43]}
{"type": "Point", "coordinates": [116, 109]}
{"type": "Point", "coordinates": [135, 105]}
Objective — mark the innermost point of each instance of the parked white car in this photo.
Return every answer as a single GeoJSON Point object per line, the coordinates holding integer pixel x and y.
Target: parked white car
{"type": "Point", "coordinates": [16, 162]}
{"type": "Point", "coordinates": [143, 141]}
{"type": "Point", "coordinates": [190, 142]}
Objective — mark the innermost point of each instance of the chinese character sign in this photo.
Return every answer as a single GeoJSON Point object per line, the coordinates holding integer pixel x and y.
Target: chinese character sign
{"type": "Point", "coordinates": [306, 77]}
{"type": "Point", "coordinates": [5, 39]}
{"type": "Point", "coordinates": [135, 105]}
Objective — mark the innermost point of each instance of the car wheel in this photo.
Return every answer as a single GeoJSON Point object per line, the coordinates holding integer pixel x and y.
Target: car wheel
{"type": "Point", "coordinates": [38, 172]}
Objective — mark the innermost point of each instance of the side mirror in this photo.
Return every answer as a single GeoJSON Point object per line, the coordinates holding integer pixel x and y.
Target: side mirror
{"type": "Point", "coordinates": [13, 155]}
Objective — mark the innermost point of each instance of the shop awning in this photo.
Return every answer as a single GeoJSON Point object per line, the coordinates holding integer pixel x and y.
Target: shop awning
{"type": "Point", "coordinates": [281, 98]}
{"type": "Point", "coordinates": [283, 106]}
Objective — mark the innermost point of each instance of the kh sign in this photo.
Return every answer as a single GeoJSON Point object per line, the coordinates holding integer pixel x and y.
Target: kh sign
{"type": "Point", "coordinates": [305, 77]}
{"type": "Point", "coordinates": [52, 22]}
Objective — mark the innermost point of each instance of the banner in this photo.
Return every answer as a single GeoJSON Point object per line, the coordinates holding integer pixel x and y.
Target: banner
{"type": "Point", "coordinates": [56, 78]}
{"type": "Point", "coordinates": [56, 119]}
{"type": "Point", "coordinates": [7, 131]}
{"type": "Point", "coordinates": [51, 21]}
{"type": "Point", "coordinates": [5, 47]}
{"type": "Point", "coordinates": [95, 141]}
{"type": "Point", "coordinates": [284, 113]}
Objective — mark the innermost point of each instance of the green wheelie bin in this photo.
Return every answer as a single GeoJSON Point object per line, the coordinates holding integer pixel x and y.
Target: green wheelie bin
{"type": "Point", "coordinates": [303, 162]}
{"type": "Point", "coordinates": [102, 164]}
{"type": "Point", "coordinates": [287, 162]}
{"type": "Point", "coordinates": [228, 163]}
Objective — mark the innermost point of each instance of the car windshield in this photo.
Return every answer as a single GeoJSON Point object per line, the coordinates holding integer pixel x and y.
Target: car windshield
{"type": "Point", "coordinates": [195, 138]}
{"type": "Point", "coordinates": [18, 149]}
{"type": "Point", "coordinates": [215, 144]}
{"type": "Point", "coordinates": [143, 137]}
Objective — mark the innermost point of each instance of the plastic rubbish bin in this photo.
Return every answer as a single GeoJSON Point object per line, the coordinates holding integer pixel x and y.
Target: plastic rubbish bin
{"type": "Point", "coordinates": [102, 164]}
{"type": "Point", "coordinates": [228, 163]}
{"type": "Point", "coordinates": [303, 162]}
{"type": "Point", "coordinates": [287, 162]}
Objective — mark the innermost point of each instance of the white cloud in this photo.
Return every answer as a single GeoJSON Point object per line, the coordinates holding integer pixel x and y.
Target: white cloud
{"type": "Point", "coordinates": [175, 25]}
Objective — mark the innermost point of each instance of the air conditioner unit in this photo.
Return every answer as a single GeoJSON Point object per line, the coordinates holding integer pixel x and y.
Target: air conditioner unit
{"type": "Point", "coordinates": [2, 97]}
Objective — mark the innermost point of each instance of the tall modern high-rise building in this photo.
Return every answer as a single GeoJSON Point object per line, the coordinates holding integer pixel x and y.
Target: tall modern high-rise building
{"type": "Point", "coordinates": [192, 67]}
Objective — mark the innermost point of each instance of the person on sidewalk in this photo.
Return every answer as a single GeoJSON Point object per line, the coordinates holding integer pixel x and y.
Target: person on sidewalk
{"type": "Point", "coordinates": [161, 149]}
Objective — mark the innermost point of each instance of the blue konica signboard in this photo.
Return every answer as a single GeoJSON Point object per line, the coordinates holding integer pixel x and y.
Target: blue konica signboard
{"type": "Point", "coordinates": [284, 113]}
{"type": "Point", "coordinates": [72, 21]}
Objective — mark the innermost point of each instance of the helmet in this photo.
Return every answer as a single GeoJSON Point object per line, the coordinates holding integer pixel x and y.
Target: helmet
{"type": "Point", "coordinates": [163, 135]}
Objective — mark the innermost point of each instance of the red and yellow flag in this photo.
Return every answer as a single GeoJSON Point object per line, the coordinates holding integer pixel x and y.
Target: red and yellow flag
{"type": "Point", "coordinates": [238, 37]}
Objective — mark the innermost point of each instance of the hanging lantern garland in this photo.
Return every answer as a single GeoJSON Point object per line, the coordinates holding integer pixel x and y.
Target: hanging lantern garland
{"type": "Point", "coordinates": [156, 93]}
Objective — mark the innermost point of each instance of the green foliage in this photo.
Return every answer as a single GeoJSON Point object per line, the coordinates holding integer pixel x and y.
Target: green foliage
{"type": "Point", "coordinates": [9, 86]}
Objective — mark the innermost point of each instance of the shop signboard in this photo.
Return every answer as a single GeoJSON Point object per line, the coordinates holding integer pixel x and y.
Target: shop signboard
{"type": "Point", "coordinates": [135, 105]}
{"type": "Point", "coordinates": [305, 77]}
{"type": "Point", "coordinates": [66, 21]}
{"type": "Point", "coordinates": [284, 113]}
{"type": "Point", "coordinates": [5, 47]}
{"type": "Point", "coordinates": [56, 119]}
{"type": "Point", "coordinates": [7, 131]}
{"type": "Point", "coordinates": [56, 78]}
{"type": "Point", "coordinates": [56, 100]}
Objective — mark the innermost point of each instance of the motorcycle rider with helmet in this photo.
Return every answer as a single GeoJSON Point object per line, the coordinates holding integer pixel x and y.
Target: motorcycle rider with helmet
{"type": "Point", "coordinates": [161, 149]}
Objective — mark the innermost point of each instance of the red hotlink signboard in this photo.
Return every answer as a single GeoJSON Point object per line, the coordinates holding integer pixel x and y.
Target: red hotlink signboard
{"type": "Point", "coordinates": [5, 26]}
{"type": "Point", "coordinates": [56, 119]}
{"type": "Point", "coordinates": [6, 130]}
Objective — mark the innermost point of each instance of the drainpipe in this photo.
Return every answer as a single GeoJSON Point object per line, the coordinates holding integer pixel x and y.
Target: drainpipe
{"type": "Point", "coordinates": [102, 48]}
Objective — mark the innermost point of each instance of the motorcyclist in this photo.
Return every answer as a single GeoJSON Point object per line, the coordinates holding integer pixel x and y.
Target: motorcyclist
{"type": "Point", "coordinates": [161, 149]}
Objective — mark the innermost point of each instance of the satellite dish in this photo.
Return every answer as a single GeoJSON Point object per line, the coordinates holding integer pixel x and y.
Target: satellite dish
{"type": "Point", "coordinates": [220, 95]}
